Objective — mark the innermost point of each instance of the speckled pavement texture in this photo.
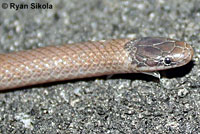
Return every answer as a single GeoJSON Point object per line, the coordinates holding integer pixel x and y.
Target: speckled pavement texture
{"type": "Point", "coordinates": [122, 104]}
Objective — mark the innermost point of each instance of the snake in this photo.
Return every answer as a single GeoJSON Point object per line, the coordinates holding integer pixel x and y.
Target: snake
{"type": "Point", "coordinates": [147, 55]}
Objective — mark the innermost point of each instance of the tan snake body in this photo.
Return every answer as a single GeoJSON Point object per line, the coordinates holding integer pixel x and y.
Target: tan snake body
{"type": "Point", "coordinates": [88, 59]}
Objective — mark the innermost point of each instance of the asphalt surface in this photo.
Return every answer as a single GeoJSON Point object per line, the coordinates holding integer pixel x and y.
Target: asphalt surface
{"type": "Point", "coordinates": [122, 104]}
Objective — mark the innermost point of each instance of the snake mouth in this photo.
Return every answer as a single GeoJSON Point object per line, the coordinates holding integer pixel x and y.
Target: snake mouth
{"type": "Point", "coordinates": [156, 54]}
{"type": "Point", "coordinates": [181, 55]}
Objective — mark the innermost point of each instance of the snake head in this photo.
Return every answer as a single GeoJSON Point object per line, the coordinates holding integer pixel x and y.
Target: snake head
{"type": "Point", "coordinates": [152, 54]}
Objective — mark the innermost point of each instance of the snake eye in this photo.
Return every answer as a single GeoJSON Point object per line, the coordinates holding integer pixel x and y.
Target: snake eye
{"type": "Point", "coordinates": [167, 61]}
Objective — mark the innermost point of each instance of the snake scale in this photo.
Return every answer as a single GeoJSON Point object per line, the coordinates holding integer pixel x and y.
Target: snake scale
{"type": "Point", "coordinates": [92, 58]}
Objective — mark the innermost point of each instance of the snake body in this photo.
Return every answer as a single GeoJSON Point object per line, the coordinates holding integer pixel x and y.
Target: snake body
{"type": "Point", "coordinates": [93, 58]}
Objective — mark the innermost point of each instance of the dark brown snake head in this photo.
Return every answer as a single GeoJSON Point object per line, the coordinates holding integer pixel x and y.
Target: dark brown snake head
{"type": "Point", "coordinates": [153, 54]}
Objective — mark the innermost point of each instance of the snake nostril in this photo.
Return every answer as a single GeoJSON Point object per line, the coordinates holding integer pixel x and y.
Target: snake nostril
{"type": "Point", "coordinates": [190, 49]}
{"type": "Point", "coordinates": [190, 52]}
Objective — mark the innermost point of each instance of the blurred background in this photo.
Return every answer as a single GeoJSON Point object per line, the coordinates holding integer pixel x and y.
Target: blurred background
{"type": "Point", "coordinates": [120, 104]}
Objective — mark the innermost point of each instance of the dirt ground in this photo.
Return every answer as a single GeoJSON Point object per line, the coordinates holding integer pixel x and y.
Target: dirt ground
{"type": "Point", "coordinates": [122, 104]}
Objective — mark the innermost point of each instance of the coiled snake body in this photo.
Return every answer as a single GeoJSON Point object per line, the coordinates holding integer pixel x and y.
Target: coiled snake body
{"type": "Point", "coordinates": [88, 59]}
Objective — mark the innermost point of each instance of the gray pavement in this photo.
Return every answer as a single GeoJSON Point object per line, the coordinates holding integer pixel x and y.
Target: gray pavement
{"type": "Point", "coordinates": [122, 104]}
